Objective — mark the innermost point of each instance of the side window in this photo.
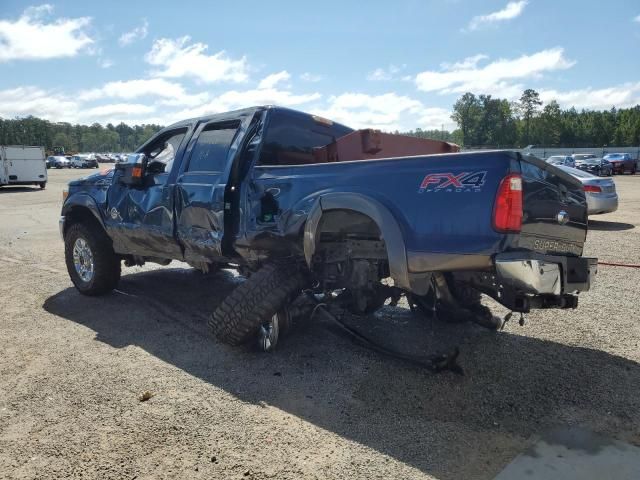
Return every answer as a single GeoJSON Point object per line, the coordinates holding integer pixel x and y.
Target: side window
{"type": "Point", "coordinates": [163, 150]}
{"type": "Point", "coordinates": [210, 152]}
{"type": "Point", "coordinates": [290, 139]}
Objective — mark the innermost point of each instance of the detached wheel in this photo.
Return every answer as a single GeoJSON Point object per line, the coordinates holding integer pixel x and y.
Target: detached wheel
{"type": "Point", "coordinates": [270, 331]}
{"type": "Point", "coordinates": [92, 264]}
{"type": "Point", "coordinates": [257, 307]}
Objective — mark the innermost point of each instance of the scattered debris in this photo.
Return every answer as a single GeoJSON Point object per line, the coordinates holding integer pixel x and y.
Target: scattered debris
{"type": "Point", "coordinates": [146, 395]}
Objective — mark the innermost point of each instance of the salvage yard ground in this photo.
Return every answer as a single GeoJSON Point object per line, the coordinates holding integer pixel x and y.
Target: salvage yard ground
{"type": "Point", "coordinates": [72, 370]}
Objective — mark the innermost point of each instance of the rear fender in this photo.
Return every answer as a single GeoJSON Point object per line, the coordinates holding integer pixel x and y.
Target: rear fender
{"type": "Point", "coordinates": [365, 205]}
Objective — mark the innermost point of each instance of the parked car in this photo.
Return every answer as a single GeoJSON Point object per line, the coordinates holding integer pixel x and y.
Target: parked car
{"type": "Point", "coordinates": [84, 161]}
{"type": "Point", "coordinates": [621, 162]}
{"type": "Point", "coordinates": [596, 166]}
{"type": "Point", "coordinates": [305, 204]}
{"type": "Point", "coordinates": [583, 156]}
{"type": "Point", "coordinates": [566, 160]}
{"type": "Point", "coordinates": [600, 192]}
{"type": "Point", "coordinates": [58, 161]}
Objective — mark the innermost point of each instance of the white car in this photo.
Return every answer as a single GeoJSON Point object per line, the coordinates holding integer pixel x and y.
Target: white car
{"type": "Point", "coordinates": [84, 161]}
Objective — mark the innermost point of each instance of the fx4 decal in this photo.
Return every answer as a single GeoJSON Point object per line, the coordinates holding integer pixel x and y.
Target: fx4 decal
{"type": "Point", "coordinates": [451, 182]}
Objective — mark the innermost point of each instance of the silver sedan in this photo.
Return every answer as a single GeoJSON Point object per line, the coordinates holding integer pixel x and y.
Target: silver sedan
{"type": "Point", "coordinates": [600, 192]}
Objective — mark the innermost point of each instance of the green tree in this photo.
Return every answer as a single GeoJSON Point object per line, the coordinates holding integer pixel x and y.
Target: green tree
{"type": "Point", "coordinates": [467, 113]}
{"type": "Point", "coordinates": [529, 105]}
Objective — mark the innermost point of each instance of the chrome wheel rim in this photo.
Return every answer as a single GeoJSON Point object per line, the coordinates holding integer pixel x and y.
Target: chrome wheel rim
{"type": "Point", "coordinates": [83, 260]}
{"type": "Point", "coordinates": [268, 334]}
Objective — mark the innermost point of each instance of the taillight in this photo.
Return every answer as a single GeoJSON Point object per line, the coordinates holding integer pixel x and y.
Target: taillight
{"type": "Point", "coordinates": [592, 189]}
{"type": "Point", "coordinates": [507, 211]}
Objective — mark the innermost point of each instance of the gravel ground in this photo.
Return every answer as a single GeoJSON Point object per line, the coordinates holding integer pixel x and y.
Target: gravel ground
{"type": "Point", "coordinates": [72, 369]}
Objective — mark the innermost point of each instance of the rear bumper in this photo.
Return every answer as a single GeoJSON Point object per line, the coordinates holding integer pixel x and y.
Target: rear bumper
{"type": "Point", "coordinates": [601, 204]}
{"type": "Point", "coordinates": [534, 274]}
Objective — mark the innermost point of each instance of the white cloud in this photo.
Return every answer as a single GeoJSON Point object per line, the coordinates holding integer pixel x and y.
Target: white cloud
{"type": "Point", "coordinates": [388, 112]}
{"type": "Point", "coordinates": [33, 37]}
{"type": "Point", "coordinates": [385, 74]}
{"type": "Point", "coordinates": [115, 109]}
{"type": "Point", "coordinates": [637, 19]}
{"type": "Point", "coordinates": [105, 63]}
{"type": "Point", "coordinates": [511, 11]}
{"type": "Point", "coordinates": [235, 99]}
{"type": "Point", "coordinates": [270, 81]}
{"type": "Point", "coordinates": [311, 77]}
{"type": "Point", "coordinates": [138, 33]}
{"type": "Point", "coordinates": [620, 96]}
{"type": "Point", "coordinates": [173, 94]}
{"type": "Point", "coordinates": [496, 78]}
{"type": "Point", "coordinates": [25, 101]}
{"type": "Point", "coordinates": [180, 58]}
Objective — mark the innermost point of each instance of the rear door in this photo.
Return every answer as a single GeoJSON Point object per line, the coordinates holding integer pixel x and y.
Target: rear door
{"type": "Point", "coordinates": [26, 164]}
{"type": "Point", "coordinates": [200, 190]}
{"type": "Point", "coordinates": [554, 209]}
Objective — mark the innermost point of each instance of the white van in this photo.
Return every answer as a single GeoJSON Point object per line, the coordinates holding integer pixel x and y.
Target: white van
{"type": "Point", "coordinates": [21, 165]}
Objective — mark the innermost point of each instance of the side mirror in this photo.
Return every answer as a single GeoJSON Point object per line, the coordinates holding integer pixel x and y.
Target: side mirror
{"type": "Point", "coordinates": [133, 170]}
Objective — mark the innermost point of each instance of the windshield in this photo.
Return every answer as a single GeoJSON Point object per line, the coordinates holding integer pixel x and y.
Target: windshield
{"type": "Point", "coordinates": [556, 158]}
{"type": "Point", "coordinates": [592, 161]}
{"type": "Point", "coordinates": [584, 156]}
{"type": "Point", "coordinates": [614, 156]}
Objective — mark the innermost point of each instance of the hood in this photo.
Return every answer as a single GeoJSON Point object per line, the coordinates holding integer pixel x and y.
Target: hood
{"type": "Point", "coordinates": [103, 177]}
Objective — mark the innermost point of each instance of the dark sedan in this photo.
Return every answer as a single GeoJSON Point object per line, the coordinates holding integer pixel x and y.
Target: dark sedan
{"type": "Point", "coordinates": [621, 162]}
{"type": "Point", "coordinates": [596, 166]}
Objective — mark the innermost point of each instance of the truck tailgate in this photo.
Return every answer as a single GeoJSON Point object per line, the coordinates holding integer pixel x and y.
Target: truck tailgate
{"type": "Point", "coordinates": [554, 209]}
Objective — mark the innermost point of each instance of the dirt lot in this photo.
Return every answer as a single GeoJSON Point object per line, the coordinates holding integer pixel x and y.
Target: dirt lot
{"type": "Point", "coordinates": [72, 368]}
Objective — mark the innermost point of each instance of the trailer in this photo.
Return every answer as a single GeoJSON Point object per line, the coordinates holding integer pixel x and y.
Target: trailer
{"type": "Point", "coordinates": [22, 165]}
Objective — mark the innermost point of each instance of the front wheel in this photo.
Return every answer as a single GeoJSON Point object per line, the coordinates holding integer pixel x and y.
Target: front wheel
{"type": "Point", "coordinates": [43, 185]}
{"type": "Point", "coordinates": [92, 264]}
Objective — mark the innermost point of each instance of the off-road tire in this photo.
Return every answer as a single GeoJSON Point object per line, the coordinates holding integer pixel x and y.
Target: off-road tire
{"type": "Point", "coordinates": [107, 265]}
{"type": "Point", "coordinates": [255, 301]}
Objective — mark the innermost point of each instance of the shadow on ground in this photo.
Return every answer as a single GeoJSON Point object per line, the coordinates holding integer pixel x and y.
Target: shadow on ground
{"type": "Point", "coordinates": [514, 385]}
{"type": "Point", "coordinates": [12, 189]}
{"type": "Point", "coordinates": [609, 226]}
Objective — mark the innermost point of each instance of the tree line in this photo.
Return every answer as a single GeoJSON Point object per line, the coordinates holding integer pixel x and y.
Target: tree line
{"type": "Point", "coordinates": [61, 137]}
{"type": "Point", "coordinates": [486, 121]}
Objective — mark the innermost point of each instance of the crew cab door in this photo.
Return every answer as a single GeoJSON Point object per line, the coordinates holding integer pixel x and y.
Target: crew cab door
{"type": "Point", "coordinates": [140, 219]}
{"type": "Point", "coordinates": [200, 190]}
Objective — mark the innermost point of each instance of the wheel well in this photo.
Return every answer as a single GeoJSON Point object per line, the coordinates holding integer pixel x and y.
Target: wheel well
{"type": "Point", "coordinates": [80, 215]}
{"type": "Point", "coordinates": [342, 224]}
{"type": "Point", "coordinates": [350, 251]}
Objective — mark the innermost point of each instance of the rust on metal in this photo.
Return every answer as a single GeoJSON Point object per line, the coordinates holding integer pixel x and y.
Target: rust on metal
{"type": "Point", "coordinates": [368, 144]}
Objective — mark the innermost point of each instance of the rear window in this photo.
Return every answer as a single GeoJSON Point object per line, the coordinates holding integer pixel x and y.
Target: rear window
{"type": "Point", "coordinates": [291, 138]}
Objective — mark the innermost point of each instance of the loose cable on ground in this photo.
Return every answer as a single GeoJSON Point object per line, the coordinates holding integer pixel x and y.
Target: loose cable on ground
{"type": "Point", "coordinates": [612, 264]}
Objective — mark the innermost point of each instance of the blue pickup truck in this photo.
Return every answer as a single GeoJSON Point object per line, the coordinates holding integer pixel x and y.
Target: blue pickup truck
{"type": "Point", "coordinates": [246, 190]}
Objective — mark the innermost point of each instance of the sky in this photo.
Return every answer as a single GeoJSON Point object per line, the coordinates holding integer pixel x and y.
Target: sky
{"type": "Point", "coordinates": [397, 64]}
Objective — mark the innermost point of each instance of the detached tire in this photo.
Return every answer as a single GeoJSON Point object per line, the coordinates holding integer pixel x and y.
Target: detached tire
{"type": "Point", "coordinates": [92, 264]}
{"type": "Point", "coordinates": [254, 302]}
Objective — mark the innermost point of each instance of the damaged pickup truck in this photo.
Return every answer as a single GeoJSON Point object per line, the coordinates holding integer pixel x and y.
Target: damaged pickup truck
{"type": "Point", "coordinates": [298, 203]}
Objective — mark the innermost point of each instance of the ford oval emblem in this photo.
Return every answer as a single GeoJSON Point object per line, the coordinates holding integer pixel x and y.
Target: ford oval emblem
{"type": "Point", "coordinates": [562, 217]}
